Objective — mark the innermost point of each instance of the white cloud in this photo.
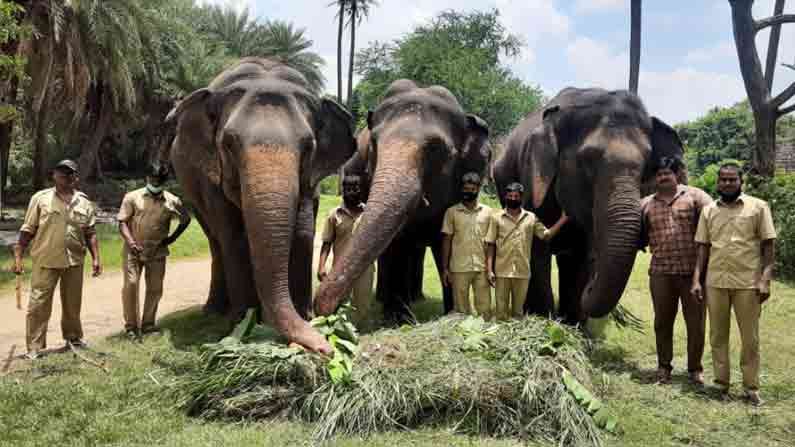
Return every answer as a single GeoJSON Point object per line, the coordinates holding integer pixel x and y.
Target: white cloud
{"type": "Point", "coordinates": [719, 52]}
{"type": "Point", "coordinates": [678, 95]}
{"type": "Point", "coordinates": [588, 6]}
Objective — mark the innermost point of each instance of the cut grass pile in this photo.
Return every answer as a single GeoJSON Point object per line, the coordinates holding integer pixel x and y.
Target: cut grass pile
{"type": "Point", "coordinates": [527, 379]}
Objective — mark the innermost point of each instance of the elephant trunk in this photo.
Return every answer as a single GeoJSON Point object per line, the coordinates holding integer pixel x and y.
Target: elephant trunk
{"type": "Point", "coordinates": [395, 192]}
{"type": "Point", "coordinates": [616, 230]}
{"type": "Point", "coordinates": [269, 200]}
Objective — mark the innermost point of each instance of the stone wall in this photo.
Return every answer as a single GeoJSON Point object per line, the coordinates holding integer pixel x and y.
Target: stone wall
{"type": "Point", "coordinates": [785, 155]}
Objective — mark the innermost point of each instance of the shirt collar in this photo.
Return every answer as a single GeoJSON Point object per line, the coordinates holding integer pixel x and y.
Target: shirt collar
{"type": "Point", "coordinates": [680, 191]}
{"type": "Point", "coordinates": [522, 213]}
{"type": "Point", "coordinates": [348, 212]}
{"type": "Point", "coordinates": [464, 208]}
{"type": "Point", "coordinates": [740, 200]}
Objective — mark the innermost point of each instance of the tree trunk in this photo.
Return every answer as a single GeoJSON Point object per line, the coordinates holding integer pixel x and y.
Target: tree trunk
{"type": "Point", "coordinates": [89, 157]}
{"type": "Point", "coordinates": [339, 51]}
{"type": "Point", "coordinates": [40, 145]}
{"type": "Point", "coordinates": [772, 47]}
{"type": "Point", "coordinates": [6, 135]}
{"type": "Point", "coordinates": [634, 46]}
{"type": "Point", "coordinates": [764, 157]}
{"type": "Point", "coordinates": [352, 55]}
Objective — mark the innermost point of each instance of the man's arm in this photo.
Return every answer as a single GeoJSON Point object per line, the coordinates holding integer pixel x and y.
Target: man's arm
{"type": "Point", "coordinates": [491, 250]}
{"type": "Point", "coordinates": [768, 247]}
{"type": "Point", "coordinates": [701, 262]}
{"type": "Point", "coordinates": [126, 234]}
{"type": "Point", "coordinates": [93, 248]}
{"type": "Point", "coordinates": [321, 265]}
{"type": "Point", "coordinates": [19, 249]}
{"type": "Point", "coordinates": [446, 244]}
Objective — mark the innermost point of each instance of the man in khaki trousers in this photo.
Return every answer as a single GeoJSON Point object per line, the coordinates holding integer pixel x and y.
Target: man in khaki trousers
{"type": "Point", "coordinates": [340, 225]}
{"type": "Point", "coordinates": [144, 222]}
{"type": "Point", "coordinates": [463, 252]}
{"type": "Point", "coordinates": [736, 235]}
{"type": "Point", "coordinates": [59, 225]}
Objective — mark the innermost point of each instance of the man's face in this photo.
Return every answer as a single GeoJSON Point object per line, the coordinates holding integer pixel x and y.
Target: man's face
{"type": "Point", "coordinates": [666, 178]}
{"type": "Point", "coordinates": [64, 178]}
{"type": "Point", "coordinates": [513, 195]}
{"type": "Point", "coordinates": [470, 188]}
{"type": "Point", "coordinates": [729, 182]}
{"type": "Point", "coordinates": [155, 180]}
{"type": "Point", "coordinates": [351, 189]}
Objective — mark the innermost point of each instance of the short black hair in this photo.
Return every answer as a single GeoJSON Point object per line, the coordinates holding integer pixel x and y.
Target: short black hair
{"type": "Point", "coordinates": [732, 165]}
{"type": "Point", "coordinates": [514, 187]}
{"type": "Point", "coordinates": [471, 178]}
{"type": "Point", "coordinates": [673, 163]}
{"type": "Point", "coordinates": [158, 172]}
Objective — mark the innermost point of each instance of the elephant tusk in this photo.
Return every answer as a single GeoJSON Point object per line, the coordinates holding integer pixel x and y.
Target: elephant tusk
{"type": "Point", "coordinates": [425, 201]}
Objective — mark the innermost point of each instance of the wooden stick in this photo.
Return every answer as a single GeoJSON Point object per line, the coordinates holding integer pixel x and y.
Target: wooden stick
{"type": "Point", "coordinates": [86, 359]}
{"type": "Point", "coordinates": [7, 363]}
{"type": "Point", "coordinates": [19, 292]}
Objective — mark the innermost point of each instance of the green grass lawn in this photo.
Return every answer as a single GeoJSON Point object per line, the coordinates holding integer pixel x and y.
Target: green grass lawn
{"type": "Point", "coordinates": [66, 401]}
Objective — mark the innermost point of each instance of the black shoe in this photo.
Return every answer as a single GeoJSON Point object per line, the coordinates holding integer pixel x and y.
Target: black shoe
{"type": "Point", "coordinates": [132, 334]}
{"type": "Point", "coordinates": [77, 343]}
{"type": "Point", "coordinates": [150, 330]}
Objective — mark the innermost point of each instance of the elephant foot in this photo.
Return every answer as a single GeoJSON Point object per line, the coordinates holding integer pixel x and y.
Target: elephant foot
{"type": "Point", "coordinates": [310, 339]}
{"type": "Point", "coordinates": [328, 295]}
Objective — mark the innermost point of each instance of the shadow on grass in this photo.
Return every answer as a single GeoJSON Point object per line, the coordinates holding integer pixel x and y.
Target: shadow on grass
{"type": "Point", "coordinates": [193, 327]}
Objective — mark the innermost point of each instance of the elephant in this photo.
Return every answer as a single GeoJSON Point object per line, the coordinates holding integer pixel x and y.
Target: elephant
{"type": "Point", "coordinates": [417, 145]}
{"type": "Point", "coordinates": [249, 152]}
{"type": "Point", "coordinates": [588, 152]}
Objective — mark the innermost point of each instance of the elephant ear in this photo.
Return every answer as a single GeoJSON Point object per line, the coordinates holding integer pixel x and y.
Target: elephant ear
{"type": "Point", "coordinates": [541, 156]}
{"type": "Point", "coordinates": [476, 153]}
{"type": "Point", "coordinates": [665, 142]}
{"type": "Point", "coordinates": [196, 132]}
{"type": "Point", "coordinates": [335, 142]}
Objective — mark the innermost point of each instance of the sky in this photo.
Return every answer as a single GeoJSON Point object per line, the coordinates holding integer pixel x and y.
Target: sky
{"type": "Point", "coordinates": [688, 63]}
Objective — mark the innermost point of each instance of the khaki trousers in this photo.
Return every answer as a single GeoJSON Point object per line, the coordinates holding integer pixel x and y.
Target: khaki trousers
{"type": "Point", "coordinates": [479, 284]}
{"type": "Point", "coordinates": [42, 285]}
{"type": "Point", "coordinates": [154, 272]}
{"type": "Point", "coordinates": [666, 292]}
{"type": "Point", "coordinates": [509, 297]}
{"type": "Point", "coordinates": [746, 310]}
{"type": "Point", "coordinates": [362, 298]}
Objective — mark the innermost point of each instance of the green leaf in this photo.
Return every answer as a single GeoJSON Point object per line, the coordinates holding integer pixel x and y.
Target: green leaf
{"type": "Point", "coordinates": [244, 327]}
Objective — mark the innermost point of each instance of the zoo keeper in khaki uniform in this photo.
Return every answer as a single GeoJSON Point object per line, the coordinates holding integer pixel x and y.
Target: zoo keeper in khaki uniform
{"type": "Point", "coordinates": [736, 234]}
{"type": "Point", "coordinates": [59, 224]}
{"type": "Point", "coordinates": [340, 225]}
{"type": "Point", "coordinates": [463, 253]}
{"type": "Point", "coordinates": [144, 222]}
{"type": "Point", "coordinates": [508, 246]}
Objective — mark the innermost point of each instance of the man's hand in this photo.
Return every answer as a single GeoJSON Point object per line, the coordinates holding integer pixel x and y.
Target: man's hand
{"type": "Point", "coordinates": [697, 291]}
{"type": "Point", "coordinates": [446, 281]}
{"type": "Point", "coordinates": [96, 268]}
{"type": "Point", "coordinates": [764, 290]}
{"type": "Point", "coordinates": [135, 246]}
{"type": "Point", "coordinates": [18, 266]}
{"type": "Point", "coordinates": [492, 278]}
{"type": "Point", "coordinates": [321, 275]}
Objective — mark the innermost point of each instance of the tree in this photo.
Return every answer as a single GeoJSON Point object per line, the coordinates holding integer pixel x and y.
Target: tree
{"type": "Point", "coordinates": [634, 45]}
{"type": "Point", "coordinates": [357, 11]}
{"type": "Point", "coordinates": [284, 42]}
{"type": "Point", "coordinates": [767, 109]}
{"type": "Point", "coordinates": [460, 51]}
{"type": "Point", "coordinates": [340, 19]}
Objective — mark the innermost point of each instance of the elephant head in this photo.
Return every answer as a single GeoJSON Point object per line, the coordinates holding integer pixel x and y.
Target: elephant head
{"type": "Point", "coordinates": [596, 149]}
{"type": "Point", "coordinates": [420, 143]}
{"type": "Point", "coordinates": [266, 142]}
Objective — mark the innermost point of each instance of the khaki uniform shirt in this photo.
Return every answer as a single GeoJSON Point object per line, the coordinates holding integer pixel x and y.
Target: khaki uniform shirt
{"type": "Point", "coordinates": [468, 229]}
{"type": "Point", "coordinates": [735, 232]}
{"type": "Point", "coordinates": [514, 240]}
{"type": "Point", "coordinates": [59, 228]}
{"type": "Point", "coordinates": [339, 228]}
{"type": "Point", "coordinates": [149, 220]}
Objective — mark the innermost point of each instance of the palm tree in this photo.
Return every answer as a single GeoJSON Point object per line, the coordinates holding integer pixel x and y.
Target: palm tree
{"type": "Point", "coordinates": [340, 18]}
{"type": "Point", "coordinates": [234, 30]}
{"type": "Point", "coordinates": [282, 41]}
{"type": "Point", "coordinates": [634, 45]}
{"type": "Point", "coordinates": [356, 11]}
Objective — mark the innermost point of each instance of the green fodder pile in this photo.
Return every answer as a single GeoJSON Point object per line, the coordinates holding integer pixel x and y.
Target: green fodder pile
{"type": "Point", "coordinates": [527, 378]}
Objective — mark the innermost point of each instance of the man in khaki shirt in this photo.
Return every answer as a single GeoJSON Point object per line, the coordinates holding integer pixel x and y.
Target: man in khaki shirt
{"type": "Point", "coordinates": [463, 253]}
{"type": "Point", "coordinates": [340, 225]}
{"type": "Point", "coordinates": [59, 224]}
{"type": "Point", "coordinates": [509, 242]}
{"type": "Point", "coordinates": [736, 235]}
{"type": "Point", "coordinates": [144, 222]}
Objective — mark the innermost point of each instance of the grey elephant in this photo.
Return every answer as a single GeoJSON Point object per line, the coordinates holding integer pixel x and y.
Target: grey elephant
{"type": "Point", "coordinates": [249, 151]}
{"type": "Point", "coordinates": [587, 152]}
{"type": "Point", "coordinates": [418, 144]}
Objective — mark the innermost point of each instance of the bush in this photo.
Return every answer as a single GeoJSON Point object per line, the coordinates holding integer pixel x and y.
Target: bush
{"type": "Point", "coordinates": [329, 185]}
{"type": "Point", "coordinates": [779, 192]}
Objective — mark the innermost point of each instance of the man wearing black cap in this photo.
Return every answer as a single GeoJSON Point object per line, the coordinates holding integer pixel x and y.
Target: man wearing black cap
{"type": "Point", "coordinates": [59, 225]}
{"type": "Point", "coordinates": [144, 222]}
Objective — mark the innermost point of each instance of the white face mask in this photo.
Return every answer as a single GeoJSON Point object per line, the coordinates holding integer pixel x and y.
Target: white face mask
{"type": "Point", "coordinates": [154, 189]}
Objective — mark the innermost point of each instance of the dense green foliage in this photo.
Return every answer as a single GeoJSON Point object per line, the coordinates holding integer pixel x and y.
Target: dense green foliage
{"type": "Point", "coordinates": [779, 192]}
{"type": "Point", "coordinates": [461, 51]}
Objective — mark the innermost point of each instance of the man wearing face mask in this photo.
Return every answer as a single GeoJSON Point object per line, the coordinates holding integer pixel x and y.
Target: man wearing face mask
{"type": "Point", "coordinates": [508, 246]}
{"type": "Point", "coordinates": [144, 222]}
{"type": "Point", "coordinates": [341, 223]}
{"type": "Point", "coordinates": [735, 234]}
{"type": "Point", "coordinates": [463, 253]}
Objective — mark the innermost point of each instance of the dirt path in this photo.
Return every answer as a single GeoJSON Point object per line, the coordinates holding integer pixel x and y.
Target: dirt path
{"type": "Point", "coordinates": [186, 285]}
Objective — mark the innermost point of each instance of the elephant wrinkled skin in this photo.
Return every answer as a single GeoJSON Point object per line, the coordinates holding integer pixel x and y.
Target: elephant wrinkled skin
{"type": "Point", "coordinates": [249, 151]}
{"type": "Point", "coordinates": [417, 145]}
{"type": "Point", "coordinates": [587, 152]}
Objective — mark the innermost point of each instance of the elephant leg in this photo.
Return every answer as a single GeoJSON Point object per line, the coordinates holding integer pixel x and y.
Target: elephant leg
{"type": "Point", "coordinates": [395, 263]}
{"type": "Point", "coordinates": [217, 299]}
{"type": "Point", "coordinates": [416, 273]}
{"type": "Point", "coordinates": [540, 300]}
{"type": "Point", "coordinates": [301, 251]}
{"type": "Point", "coordinates": [447, 291]}
{"type": "Point", "coordinates": [573, 276]}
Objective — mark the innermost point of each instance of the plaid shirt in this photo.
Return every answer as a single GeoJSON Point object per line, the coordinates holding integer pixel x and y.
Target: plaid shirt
{"type": "Point", "coordinates": [669, 229]}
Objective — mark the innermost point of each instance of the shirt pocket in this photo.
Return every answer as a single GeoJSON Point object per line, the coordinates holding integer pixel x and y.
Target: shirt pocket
{"type": "Point", "coordinates": [744, 226]}
{"type": "Point", "coordinates": [79, 217]}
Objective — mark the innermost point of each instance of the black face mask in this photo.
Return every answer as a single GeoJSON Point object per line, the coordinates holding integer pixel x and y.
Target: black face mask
{"type": "Point", "coordinates": [469, 196]}
{"type": "Point", "coordinates": [513, 204]}
{"type": "Point", "coordinates": [729, 198]}
{"type": "Point", "coordinates": [351, 200]}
